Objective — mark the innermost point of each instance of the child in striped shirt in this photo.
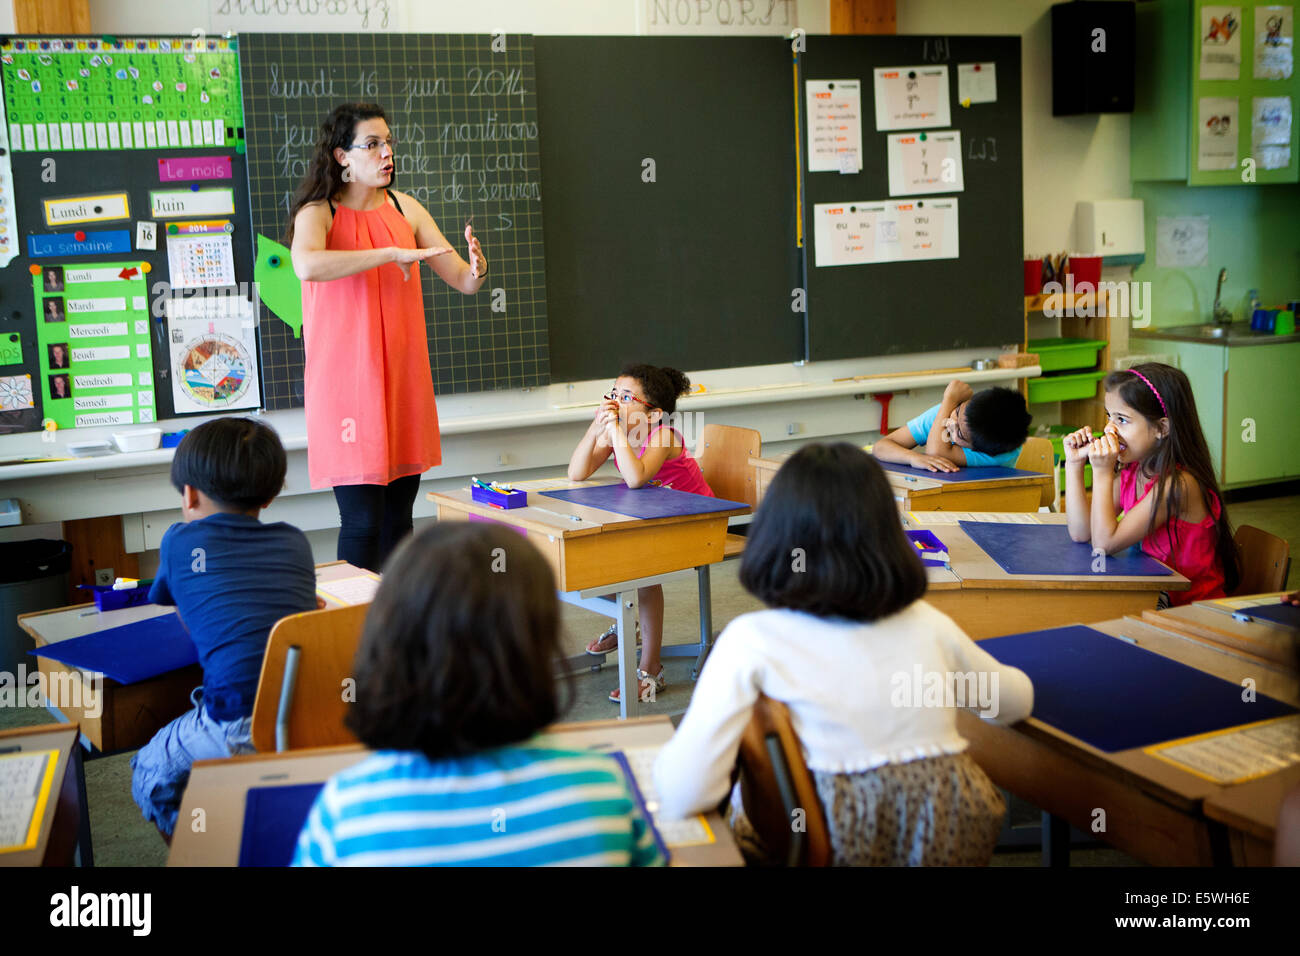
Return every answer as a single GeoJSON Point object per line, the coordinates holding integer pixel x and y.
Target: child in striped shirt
{"type": "Point", "coordinates": [454, 680]}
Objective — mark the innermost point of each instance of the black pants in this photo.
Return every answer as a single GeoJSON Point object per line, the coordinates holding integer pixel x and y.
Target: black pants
{"type": "Point", "coordinates": [373, 519]}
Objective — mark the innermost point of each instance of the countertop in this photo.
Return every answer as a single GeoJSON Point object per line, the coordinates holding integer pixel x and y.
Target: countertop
{"type": "Point", "coordinates": [1239, 334]}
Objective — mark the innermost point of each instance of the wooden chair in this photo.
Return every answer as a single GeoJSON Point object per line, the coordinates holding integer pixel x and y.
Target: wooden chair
{"type": "Point", "coordinates": [776, 785]}
{"type": "Point", "coordinates": [1265, 560]}
{"type": "Point", "coordinates": [723, 453]}
{"type": "Point", "coordinates": [300, 695]}
{"type": "Point", "coordinates": [1038, 455]}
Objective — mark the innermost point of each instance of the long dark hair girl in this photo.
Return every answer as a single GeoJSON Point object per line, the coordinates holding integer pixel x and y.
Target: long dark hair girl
{"type": "Point", "coordinates": [1184, 448]}
{"type": "Point", "coordinates": [324, 177]}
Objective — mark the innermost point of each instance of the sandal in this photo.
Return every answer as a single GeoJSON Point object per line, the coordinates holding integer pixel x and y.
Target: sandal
{"type": "Point", "coordinates": [607, 643]}
{"type": "Point", "coordinates": [645, 683]}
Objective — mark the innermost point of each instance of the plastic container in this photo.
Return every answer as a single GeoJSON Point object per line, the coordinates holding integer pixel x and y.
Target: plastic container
{"type": "Point", "coordinates": [1285, 324]}
{"type": "Point", "coordinates": [507, 500]}
{"type": "Point", "coordinates": [33, 577]}
{"type": "Point", "coordinates": [1057, 354]}
{"type": "Point", "coordinates": [106, 599]}
{"type": "Point", "coordinates": [1084, 269]}
{"type": "Point", "coordinates": [143, 439]}
{"type": "Point", "coordinates": [1033, 276]}
{"type": "Point", "coordinates": [1064, 388]}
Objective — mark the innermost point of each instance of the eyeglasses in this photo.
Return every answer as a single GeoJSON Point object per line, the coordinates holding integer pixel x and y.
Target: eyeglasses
{"type": "Point", "coordinates": [957, 425]}
{"type": "Point", "coordinates": [371, 145]}
{"type": "Point", "coordinates": [624, 397]}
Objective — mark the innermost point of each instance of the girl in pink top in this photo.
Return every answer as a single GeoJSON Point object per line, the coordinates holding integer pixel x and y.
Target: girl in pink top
{"type": "Point", "coordinates": [372, 425]}
{"type": "Point", "coordinates": [632, 415]}
{"type": "Point", "coordinates": [1166, 490]}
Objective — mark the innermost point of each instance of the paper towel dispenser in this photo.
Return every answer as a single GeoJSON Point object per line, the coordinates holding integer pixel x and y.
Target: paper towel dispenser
{"type": "Point", "coordinates": [1110, 227]}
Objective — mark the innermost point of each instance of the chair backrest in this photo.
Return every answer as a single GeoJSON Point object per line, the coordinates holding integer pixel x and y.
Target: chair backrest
{"type": "Point", "coordinates": [723, 453]}
{"type": "Point", "coordinates": [776, 784]}
{"type": "Point", "coordinates": [323, 644]}
{"type": "Point", "coordinates": [1037, 454]}
{"type": "Point", "coordinates": [1264, 560]}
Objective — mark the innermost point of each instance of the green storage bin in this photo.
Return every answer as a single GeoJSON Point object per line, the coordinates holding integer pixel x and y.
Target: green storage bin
{"type": "Point", "coordinates": [1064, 388]}
{"type": "Point", "coordinates": [1055, 355]}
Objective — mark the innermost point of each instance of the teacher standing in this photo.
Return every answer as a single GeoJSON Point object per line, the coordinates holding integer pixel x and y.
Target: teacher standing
{"type": "Point", "coordinates": [372, 425]}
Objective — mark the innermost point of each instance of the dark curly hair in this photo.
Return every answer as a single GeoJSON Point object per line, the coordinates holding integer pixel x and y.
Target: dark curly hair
{"type": "Point", "coordinates": [662, 386]}
{"type": "Point", "coordinates": [325, 176]}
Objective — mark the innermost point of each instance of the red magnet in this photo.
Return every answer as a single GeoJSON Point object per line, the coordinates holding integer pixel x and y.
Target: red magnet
{"type": "Point", "coordinates": [977, 67]}
{"type": "Point", "coordinates": [79, 236]}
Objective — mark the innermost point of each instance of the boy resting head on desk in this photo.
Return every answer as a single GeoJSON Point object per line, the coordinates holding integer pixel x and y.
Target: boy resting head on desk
{"type": "Point", "coordinates": [967, 429]}
{"type": "Point", "coordinates": [231, 577]}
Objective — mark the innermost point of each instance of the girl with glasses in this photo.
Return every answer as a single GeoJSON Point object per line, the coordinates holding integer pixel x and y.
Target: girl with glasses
{"type": "Point", "coordinates": [629, 424]}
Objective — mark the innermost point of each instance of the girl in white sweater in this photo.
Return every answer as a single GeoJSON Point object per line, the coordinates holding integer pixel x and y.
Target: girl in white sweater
{"type": "Point", "coordinates": [872, 676]}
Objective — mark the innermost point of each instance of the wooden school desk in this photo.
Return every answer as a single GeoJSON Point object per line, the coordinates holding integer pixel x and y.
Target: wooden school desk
{"type": "Point", "coordinates": [1157, 811]}
{"type": "Point", "coordinates": [991, 602]}
{"type": "Point", "coordinates": [129, 714]}
{"type": "Point", "coordinates": [923, 491]}
{"type": "Point", "coordinates": [220, 788]}
{"type": "Point", "coordinates": [603, 554]}
{"type": "Point", "coordinates": [64, 821]}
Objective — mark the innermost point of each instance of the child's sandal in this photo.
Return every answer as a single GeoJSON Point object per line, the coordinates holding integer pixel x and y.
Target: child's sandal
{"type": "Point", "coordinates": [643, 681]}
{"type": "Point", "coordinates": [607, 643]}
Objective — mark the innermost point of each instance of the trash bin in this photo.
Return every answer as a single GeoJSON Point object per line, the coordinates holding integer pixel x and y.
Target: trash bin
{"type": "Point", "coordinates": [33, 577]}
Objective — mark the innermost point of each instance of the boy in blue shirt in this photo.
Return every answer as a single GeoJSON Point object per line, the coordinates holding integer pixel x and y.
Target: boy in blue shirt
{"type": "Point", "coordinates": [231, 578]}
{"type": "Point", "coordinates": [966, 430]}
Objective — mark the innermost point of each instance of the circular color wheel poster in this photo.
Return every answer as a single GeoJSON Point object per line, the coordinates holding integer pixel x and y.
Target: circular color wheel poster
{"type": "Point", "coordinates": [215, 371]}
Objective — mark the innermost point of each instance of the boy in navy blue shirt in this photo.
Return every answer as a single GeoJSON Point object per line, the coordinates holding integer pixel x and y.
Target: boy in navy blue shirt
{"type": "Point", "coordinates": [231, 578]}
{"type": "Point", "coordinates": [967, 429]}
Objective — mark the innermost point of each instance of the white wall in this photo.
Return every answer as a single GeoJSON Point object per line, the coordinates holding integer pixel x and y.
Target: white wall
{"type": "Point", "coordinates": [431, 16]}
{"type": "Point", "coordinates": [1065, 158]}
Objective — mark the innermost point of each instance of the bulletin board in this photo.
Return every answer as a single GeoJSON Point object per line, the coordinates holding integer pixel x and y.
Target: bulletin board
{"type": "Point", "coordinates": [946, 250]}
{"type": "Point", "coordinates": [126, 261]}
{"type": "Point", "coordinates": [462, 110]}
{"type": "Point", "coordinates": [1245, 89]}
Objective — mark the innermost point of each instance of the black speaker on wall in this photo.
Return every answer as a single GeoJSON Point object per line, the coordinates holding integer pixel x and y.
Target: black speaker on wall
{"type": "Point", "coordinates": [1094, 50]}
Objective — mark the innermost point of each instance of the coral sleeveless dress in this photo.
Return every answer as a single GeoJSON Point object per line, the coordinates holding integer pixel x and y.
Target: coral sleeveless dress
{"type": "Point", "coordinates": [371, 416]}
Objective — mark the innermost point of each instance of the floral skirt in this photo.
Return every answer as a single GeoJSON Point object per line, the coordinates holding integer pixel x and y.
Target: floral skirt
{"type": "Point", "coordinates": [936, 811]}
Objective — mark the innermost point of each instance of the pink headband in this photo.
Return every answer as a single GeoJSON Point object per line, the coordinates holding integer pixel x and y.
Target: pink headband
{"type": "Point", "coordinates": [1153, 390]}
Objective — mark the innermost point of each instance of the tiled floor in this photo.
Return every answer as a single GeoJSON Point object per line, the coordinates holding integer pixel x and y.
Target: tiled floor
{"type": "Point", "coordinates": [122, 838]}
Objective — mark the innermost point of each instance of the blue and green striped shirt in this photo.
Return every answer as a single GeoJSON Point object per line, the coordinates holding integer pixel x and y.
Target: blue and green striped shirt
{"type": "Point", "coordinates": [525, 805]}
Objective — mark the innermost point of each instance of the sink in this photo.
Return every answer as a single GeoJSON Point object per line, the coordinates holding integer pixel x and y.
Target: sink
{"type": "Point", "coordinates": [1214, 331]}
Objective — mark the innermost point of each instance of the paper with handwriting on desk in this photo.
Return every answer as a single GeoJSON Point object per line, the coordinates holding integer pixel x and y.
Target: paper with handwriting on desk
{"type": "Point", "coordinates": [693, 831]}
{"type": "Point", "coordinates": [953, 517]}
{"type": "Point", "coordinates": [359, 589]}
{"type": "Point", "coordinates": [1236, 754]}
{"type": "Point", "coordinates": [25, 780]}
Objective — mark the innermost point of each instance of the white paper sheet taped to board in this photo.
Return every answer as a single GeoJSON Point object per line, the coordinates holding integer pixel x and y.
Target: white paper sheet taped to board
{"type": "Point", "coordinates": [875, 231]}
{"type": "Point", "coordinates": [923, 163]}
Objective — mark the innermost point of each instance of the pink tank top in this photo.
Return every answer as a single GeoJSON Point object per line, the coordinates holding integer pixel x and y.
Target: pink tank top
{"type": "Point", "coordinates": [681, 473]}
{"type": "Point", "coordinates": [367, 387]}
{"type": "Point", "coordinates": [1193, 554]}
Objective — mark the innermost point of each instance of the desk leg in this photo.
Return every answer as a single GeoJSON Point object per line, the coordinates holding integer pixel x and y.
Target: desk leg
{"type": "Point", "coordinates": [706, 619]}
{"type": "Point", "coordinates": [629, 687]}
{"type": "Point", "coordinates": [85, 851]}
{"type": "Point", "coordinates": [1056, 840]}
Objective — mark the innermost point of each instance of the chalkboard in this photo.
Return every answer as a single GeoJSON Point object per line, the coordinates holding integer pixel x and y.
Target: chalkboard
{"type": "Point", "coordinates": [462, 110]}
{"type": "Point", "coordinates": [917, 306]}
{"type": "Point", "coordinates": [126, 246]}
{"type": "Point", "coordinates": [696, 268]}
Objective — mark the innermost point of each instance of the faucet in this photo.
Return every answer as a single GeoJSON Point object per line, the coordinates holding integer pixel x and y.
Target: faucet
{"type": "Point", "coordinates": [1222, 316]}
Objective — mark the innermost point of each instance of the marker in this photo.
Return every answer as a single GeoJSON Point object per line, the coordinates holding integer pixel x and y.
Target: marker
{"type": "Point", "coordinates": [1131, 640]}
{"type": "Point", "coordinates": [558, 514]}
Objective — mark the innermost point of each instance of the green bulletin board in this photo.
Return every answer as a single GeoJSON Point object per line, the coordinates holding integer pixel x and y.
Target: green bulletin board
{"type": "Point", "coordinates": [1220, 28]}
{"type": "Point", "coordinates": [99, 313]}
{"type": "Point", "coordinates": [120, 82]}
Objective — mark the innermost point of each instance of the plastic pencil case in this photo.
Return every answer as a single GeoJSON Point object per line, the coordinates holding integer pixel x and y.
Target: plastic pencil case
{"type": "Point", "coordinates": [501, 499]}
{"type": "Point", "coordinates": [106, 599]}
